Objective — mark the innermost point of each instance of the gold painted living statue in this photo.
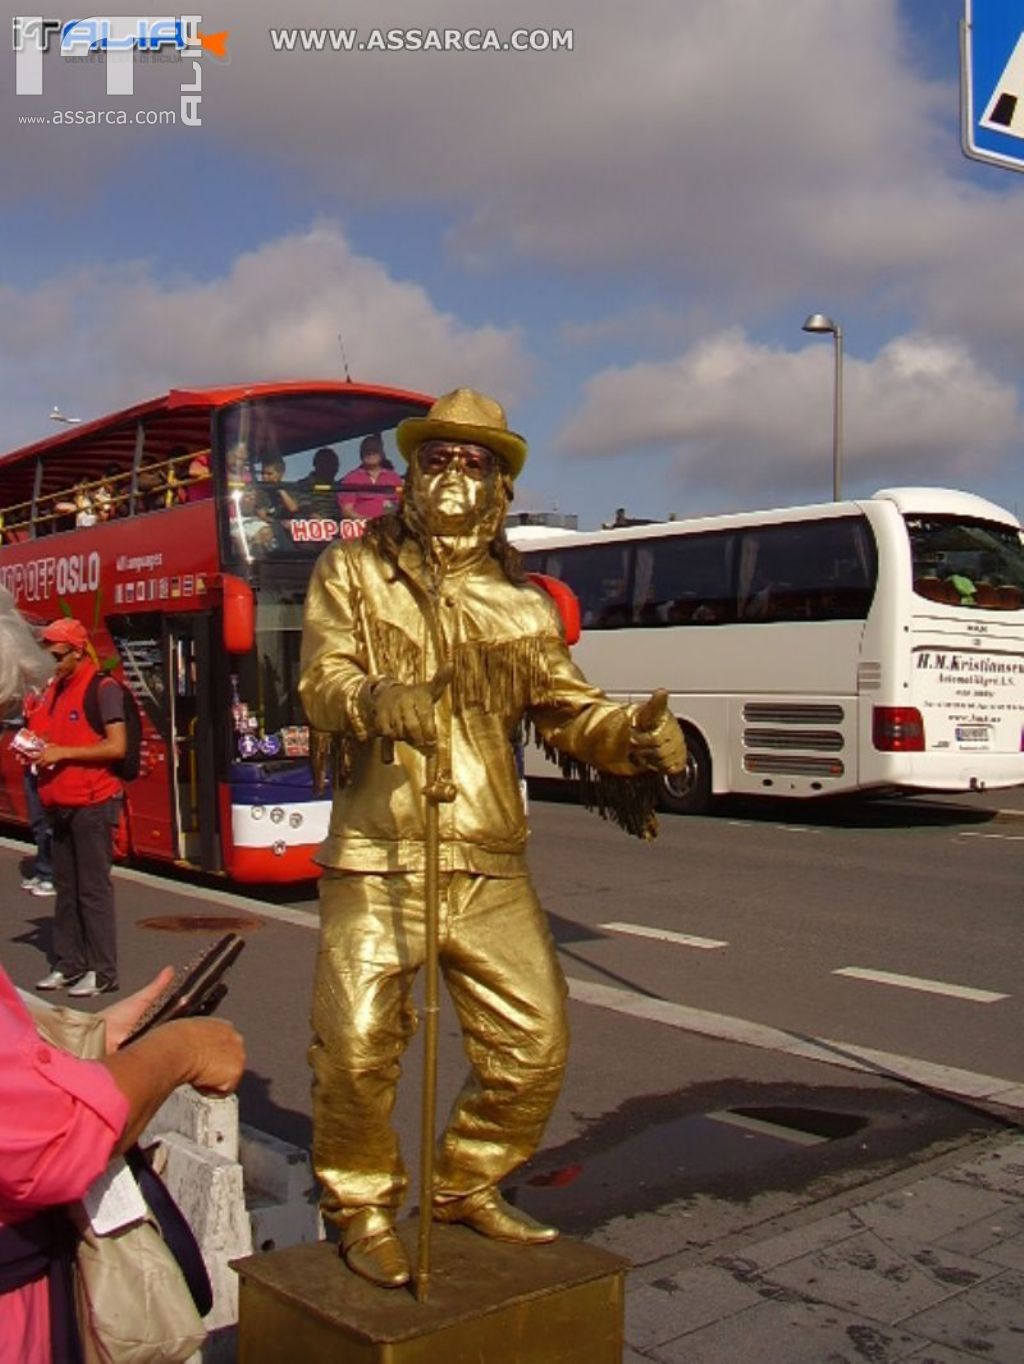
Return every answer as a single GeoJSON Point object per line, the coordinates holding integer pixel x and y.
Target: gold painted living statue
{"type": "Point", "coordinates": [424, 638]}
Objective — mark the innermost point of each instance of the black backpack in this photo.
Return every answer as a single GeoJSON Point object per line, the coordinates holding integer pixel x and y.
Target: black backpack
{"type": "Point", "coordinates": [127, 768]}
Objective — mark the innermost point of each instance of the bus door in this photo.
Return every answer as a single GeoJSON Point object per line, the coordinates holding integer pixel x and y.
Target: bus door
{"type": "Point", "coordinates": [188, 644]}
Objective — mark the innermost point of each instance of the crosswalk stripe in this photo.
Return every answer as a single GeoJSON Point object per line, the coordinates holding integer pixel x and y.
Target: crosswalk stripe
{"type": "Point", "coordinates": [665, 935]}
{"type": "Point", "coordinates": [931, 987]}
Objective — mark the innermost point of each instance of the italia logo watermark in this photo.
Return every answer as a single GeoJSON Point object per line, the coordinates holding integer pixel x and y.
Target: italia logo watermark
{"type": "Point", "coordinates": [118, 38]}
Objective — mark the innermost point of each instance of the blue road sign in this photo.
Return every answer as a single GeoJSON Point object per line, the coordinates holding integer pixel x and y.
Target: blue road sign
{"type": "Point", "coordinates": [992, 82]}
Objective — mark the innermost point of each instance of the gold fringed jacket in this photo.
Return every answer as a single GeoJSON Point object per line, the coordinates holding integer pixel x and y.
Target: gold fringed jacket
{"type": "Point", "coordinates": [367, 621]}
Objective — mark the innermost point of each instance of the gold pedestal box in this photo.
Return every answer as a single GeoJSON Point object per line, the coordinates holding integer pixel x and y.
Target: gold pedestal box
{"type": "Point", "coordinates": [489, 1303]}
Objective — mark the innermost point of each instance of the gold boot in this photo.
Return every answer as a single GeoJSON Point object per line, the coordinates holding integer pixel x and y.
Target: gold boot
{"type": "Point", "coordinates": [490, 1215]}
{"type": "Point", "coordinates": [371, 1249]}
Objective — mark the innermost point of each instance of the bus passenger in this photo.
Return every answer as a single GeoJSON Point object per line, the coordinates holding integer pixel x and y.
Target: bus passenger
{"type": "Point", "coordinates": [239, 471]}
{"type": "Point", "coordinates": [250, 525]}
{"type": "Point", "coordinates": [372, 488]}
{"type": "Point", "coordinates": [277, 503]}
{"type": "Point", "coordinates": [198, 485]}
{"type": "Point", "coordinates": [79, 505]}
{"type": "Point", "coordinates": [317, 492]}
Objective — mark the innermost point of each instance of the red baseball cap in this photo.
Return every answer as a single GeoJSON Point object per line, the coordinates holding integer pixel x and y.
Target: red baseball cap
{"type": "Point", "coordinates": [66, 631]}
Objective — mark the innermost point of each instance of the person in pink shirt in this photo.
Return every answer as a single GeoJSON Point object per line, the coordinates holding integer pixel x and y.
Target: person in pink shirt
{"type": "Point", "coordinates": [64, 1118]}
{"type": "Point", "coordinates": [372, 489]}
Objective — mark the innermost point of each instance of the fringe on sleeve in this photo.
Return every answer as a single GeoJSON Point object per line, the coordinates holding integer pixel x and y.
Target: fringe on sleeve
{"type": "Point", "coordinates": [629, 802]}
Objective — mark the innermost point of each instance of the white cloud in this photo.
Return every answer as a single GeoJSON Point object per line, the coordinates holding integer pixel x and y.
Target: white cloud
{"type": "Point", "coordinates": [746, 420]}
{"type": "Point", "coordinates": [97, 338]}
{"type": "Point", "coordinates": [730, 148]}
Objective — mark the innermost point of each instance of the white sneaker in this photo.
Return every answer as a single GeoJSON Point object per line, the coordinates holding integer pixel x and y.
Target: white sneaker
{"type": "Point", "coordinates": [56, 980]}
{"type": "Point", "coordinates": [42, 887]}
{"type": "Point", "coordinates": [86, 986]}
{"type": "Point", "coordinates": [29, 882]}
{"type": "Point", "coordinates": [92, 984]}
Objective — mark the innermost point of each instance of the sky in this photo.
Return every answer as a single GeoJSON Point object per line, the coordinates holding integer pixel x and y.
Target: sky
{"type": "Point", "coordinates": [619, 241]}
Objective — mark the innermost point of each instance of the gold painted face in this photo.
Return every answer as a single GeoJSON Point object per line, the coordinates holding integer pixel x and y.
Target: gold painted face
{"type": "Point", "coordinates": [455, 489]}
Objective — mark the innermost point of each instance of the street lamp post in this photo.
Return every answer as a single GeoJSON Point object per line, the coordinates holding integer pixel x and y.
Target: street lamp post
{"type": "Point", "coordinates": [818, 322]}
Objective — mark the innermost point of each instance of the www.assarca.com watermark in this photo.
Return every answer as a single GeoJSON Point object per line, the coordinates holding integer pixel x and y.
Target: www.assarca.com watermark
{"type": "Point", "coordinates": [119, 42]}
{"type": "Point", "coordinates": [421, 40]}
{"type": "Point", "coordinates": [92, 118]}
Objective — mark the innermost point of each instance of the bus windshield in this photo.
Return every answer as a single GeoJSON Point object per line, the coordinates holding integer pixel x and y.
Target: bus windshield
{"type": "Point", "coordinates": [964, 562]}
{"type": "Point", "coordinates": [286, 467]}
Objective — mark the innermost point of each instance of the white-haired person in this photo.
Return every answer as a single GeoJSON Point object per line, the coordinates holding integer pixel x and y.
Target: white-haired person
{"type": "Point", "coordinates": [64, 1118]}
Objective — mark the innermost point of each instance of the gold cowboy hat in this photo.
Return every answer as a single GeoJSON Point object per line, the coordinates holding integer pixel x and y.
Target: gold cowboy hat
{"type": "Point", "coordinates": [468, 418]}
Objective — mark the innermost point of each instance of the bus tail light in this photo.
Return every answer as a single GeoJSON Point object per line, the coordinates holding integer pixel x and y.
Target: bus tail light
{"type": "Point", "coordinates": [897, 729]}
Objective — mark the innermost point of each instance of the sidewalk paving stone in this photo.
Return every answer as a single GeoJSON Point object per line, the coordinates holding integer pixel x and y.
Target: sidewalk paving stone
{"type": "Point", "coordinates": [987, 1234]}
{"type": "Point", "coordinates": [791, 1333]}
{"type": "Point", "coordinates": [866, 1276]}
{"type": "Point", "coordinates": [986, 1322]}
{"type": "Point", "coordinates": [1000, 1171]}
{"type": "Point", "coordinates": [1010, 1254]}
{"type": "Point", "coordinates": [940, 1354]}
{"type": "Point", "coordinates": [791, 1245]}
{"type": "Point", "coordinates": [667, 1308]}
{"type": "Point", "coordinates": [929, 1209]}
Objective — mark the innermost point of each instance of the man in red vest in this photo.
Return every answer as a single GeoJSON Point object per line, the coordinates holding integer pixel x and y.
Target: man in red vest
{"type": "Point", "coordinates": [82, 794]}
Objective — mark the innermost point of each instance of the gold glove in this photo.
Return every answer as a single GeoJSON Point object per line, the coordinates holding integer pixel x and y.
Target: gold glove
{"type": "Point", "coordinates": [656, 741]}
{"type": "Point", "coordinates": [401, 710]}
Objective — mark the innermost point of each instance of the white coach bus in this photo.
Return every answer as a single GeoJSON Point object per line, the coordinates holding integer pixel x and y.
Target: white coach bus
{"type": "Point", "coordinates": [811, 650]}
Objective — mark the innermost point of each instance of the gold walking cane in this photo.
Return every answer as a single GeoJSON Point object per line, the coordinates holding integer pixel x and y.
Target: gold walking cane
{"type": "Point", "coordinates": [439, 790]}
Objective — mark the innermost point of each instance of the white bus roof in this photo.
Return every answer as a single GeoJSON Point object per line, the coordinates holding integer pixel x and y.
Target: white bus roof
{"type": "Point", "coordinates": [908, 501]}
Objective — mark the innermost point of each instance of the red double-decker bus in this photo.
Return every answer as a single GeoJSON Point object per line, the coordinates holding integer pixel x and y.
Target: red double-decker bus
{"type": "Point", "coordinates": [182, 533]}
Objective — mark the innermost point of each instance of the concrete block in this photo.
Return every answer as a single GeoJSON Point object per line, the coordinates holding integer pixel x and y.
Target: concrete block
{"type": "Point", "coordinates": [281, 1192]}
{"type": "Point", "coordinates": [276, 1168]}
{"type": "Point", "coordinates": [277, 1225]}
{"type": "Point", "coordinates": [209, 1122]}
{"type": "Point", "coordinates": [209, 1191]}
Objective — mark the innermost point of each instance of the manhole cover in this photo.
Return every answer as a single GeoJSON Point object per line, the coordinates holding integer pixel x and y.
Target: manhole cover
{"type": "Point", "coordinates": [202, 923]}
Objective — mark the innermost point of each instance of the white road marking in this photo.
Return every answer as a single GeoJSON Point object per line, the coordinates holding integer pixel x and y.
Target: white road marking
{"type": "Point", "coordinates": [1005, 838]}
{"type": "Point", "coordinates": [931, 987]}
{"type": "Point", "coordinates": [665, 935]}
{"type": "Point", "coordinates": [964, 1083]}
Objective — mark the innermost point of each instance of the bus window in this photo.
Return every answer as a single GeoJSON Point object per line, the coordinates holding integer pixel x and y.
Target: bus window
{"type": "Point", "coordinates": [281, 460]}
{"type": "Point", "coordinates": [600, 579]}
{"type": "Point", "coordinates": [810, 570]}
{"type": "Point", "coordinates": [684, 580]}
{"type": "Point", "coordinates": [963, 562]}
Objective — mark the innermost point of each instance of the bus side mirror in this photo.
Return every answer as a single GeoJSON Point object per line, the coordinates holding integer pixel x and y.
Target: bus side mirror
{"type": "Point", "coordinates": [239, 615]}
{"type": "Point", "coordinates": [565, 599]}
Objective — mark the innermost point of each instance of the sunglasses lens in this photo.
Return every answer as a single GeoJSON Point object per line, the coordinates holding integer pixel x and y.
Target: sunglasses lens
{"type": "Point", "coordinates": [477, 463]}
{"type": "Point", "coordinates": [435, 461]}
{"type": "Point", "coordinates": [474, 460]}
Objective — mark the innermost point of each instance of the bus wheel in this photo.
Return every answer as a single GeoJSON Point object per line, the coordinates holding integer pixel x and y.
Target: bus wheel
{"type": "Point", "coordinates": [689, 793]}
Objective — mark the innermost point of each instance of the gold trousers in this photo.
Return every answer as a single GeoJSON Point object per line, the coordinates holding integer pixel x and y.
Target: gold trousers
{"type": "Point", "coordinates": [498, 961]}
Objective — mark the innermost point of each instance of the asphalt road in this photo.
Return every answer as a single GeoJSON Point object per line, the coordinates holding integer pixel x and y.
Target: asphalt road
{"type": "Point", "coordinates": [778, 899]}
{"type": "Point", "coordinates": [793, 895]}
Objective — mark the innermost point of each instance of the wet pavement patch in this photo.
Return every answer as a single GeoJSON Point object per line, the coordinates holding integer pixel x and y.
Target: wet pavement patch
{"type": "Point", "coordinates": [665, 1148]}
{"type": "Point", "coordinates": [202, 923]}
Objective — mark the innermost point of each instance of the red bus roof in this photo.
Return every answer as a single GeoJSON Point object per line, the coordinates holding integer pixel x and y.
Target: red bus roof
{"type": "Point", "coordinates": [202, 400]}
{"type": "Point", "coordinates": [181, 416]}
